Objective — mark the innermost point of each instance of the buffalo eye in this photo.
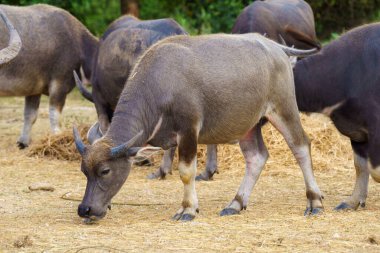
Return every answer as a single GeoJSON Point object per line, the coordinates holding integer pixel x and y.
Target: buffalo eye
{"type": "Point", "coordinates": [105, 172]}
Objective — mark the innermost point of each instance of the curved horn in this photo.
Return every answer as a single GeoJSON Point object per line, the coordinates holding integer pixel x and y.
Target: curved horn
{"type": "Point", "coordinates": [85, 93]}
{"type": "Point", "coordinates": [78, 141]}
{"type": "Point", "coordinates": [122, 150]}
{"type": "Point", "coordinates": [14, 46]}
{"type": "Point", "coordinates": [297, 52]}
{"type": "Point", "coordinates": [303, 37]}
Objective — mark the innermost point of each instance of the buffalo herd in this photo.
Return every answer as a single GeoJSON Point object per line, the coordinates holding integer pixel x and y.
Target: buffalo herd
{"type": "Point", "coordinates": [156, 87]}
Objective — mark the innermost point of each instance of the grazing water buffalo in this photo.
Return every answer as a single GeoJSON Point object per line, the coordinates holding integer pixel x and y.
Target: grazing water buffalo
{"type": "Point", "coordinates": [343, 81]}
{"type": "Point", "coordinates": [125, 40]}
{"type": "Point", "coordinates": [54, 43]}
{"type": "Point", "coordinates": [292, 20]}
{"type": "Point", "coordinates": [285, 21]}
{"type": "Point", "coordinates": [176, 96]}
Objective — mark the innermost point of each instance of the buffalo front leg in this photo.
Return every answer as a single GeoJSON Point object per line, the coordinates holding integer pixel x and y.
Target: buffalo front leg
{"type": "Point", "coordinates": [211, 164]}
{"type": "Point", "coordinates": [165, 166]}
{"type": "Point", "coordinates": [57, 97]}
{"type": "Point", "coordinates": [360, 192]}
{"type": "Point", "coordinates": [255, 155]}
{"type": "Point", "coordinates": [288, 123]}
{"type": "Point", "coordinates": [187, 166]}
{"type": "Point", "coordinates": [32, 104]}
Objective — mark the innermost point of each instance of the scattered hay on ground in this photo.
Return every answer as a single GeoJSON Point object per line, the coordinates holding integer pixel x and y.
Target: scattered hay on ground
{"type": "Point", "coordinates": [326, 142]}
{"type": "Point", "coordinates": [328, 146]}
{"type": "Point", "coordinates": [59, 146]}
{"type": "Point", "coordinates": [140, 218]}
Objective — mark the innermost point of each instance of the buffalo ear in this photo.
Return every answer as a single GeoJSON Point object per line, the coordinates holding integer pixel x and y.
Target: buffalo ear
{"type": "Point", "coordinates": [94, 133]}
{"type": "Point", "coordinates": [122, 150]}
{"type": "Point", "coordinates": [143, 151]}
{"type": "Point", "coordinates": [140, 154]}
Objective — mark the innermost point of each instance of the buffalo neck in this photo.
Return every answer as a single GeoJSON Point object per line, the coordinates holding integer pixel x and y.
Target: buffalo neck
{"type": "Point", "coordinates": [317, 83]}
{"type": "Point", "coordinates": [136, 111]}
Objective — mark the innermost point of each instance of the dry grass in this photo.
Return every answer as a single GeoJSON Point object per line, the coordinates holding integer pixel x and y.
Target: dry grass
{"type": "Point", "coordinates": [326, 142]}
{"type": "Point", "coordinates": [60, 146]}
{"type": "Point", "coordinates": [140, 217]}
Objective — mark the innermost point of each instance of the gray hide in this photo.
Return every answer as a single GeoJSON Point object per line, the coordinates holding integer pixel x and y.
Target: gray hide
{"type": "Point", "coordinates": [54, 43]}
{"type": "Point", "coordinates": [177, 95]}
{"type": "Point", "coordinates": [124, 41]}
{"type": "Point", "coordinates": [290, 22]}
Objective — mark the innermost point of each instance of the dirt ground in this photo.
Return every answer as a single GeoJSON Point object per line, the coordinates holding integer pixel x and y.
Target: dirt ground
{"type": "Point", "coordinates": [44, 221]}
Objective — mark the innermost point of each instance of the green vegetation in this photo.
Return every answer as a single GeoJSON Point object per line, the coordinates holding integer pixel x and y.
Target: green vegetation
{"type": "Point", "coordinates": [212, 16]}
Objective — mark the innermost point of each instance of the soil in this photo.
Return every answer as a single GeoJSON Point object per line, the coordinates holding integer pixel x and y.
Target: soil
{"type": "Point", "coordinates": [47, 221]}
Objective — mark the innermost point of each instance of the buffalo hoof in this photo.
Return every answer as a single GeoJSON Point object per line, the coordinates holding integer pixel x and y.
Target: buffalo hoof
{"type": "Point", "coordinates": [313, 211]}
{"type": "Point", "coordinates": [343, 206]}
{"type": "Point", "coordinates": [183, 217]}
{"type": "Point", "coordinates": [156, 175]}
{"type": "Point", "coordinates": [229, 211]}
{"type": "Point", "coordinates": [177, 216]}
{"type": "Point", "coordinates": [202, 177]}
{"type": "Point", "coordinates": [145, 162]}
{"type": "Point", "coordinates": [187, 217]}
{"type": "Point", "coordinates": [205, 176]}
{"type": "Point", "coordinates": [21, 145]}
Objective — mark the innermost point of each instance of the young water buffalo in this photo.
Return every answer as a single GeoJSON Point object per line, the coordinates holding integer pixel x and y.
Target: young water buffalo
{"type": "Point", "coordinates": [176, 96]}
{"type": "Point", "coordinates": [343, 81]}
{"type": "Point", "coordinates": [285, 21]}
{"type": "Point", "coordinates": [54, 43]}
{"type": "Point", "coordinates": [125, 40]}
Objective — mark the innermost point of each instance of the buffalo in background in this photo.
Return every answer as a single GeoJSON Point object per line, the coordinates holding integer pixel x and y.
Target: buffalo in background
{"type": "Point", "coordinates": [54, 43]}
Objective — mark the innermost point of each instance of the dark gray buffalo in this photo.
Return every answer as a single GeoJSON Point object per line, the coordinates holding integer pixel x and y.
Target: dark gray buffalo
{"type": "Point", "coordinates": [54, 43]}
{"type": "Point", "coordinates": [343, 82]}
{"type": "Point", "coordinates": [291, 20]}
{"type": "Point", "coordinates": [176, 96]}
{"type": "Point", "coordinates": [285, 21]}
{"type": "Point", "coordinates": [125, 40]}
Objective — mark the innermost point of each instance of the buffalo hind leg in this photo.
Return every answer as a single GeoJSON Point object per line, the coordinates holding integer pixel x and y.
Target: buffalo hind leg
{"type": "Point", "coordinates": [211, 164]}
{"type": "Point", "coordinates": [255, 155]}
{"type": "Point", "coordinates": [373, 151]}
{"type": "Point", "coordinates": [288, 123]}
{"type": "Point", "coordinates": [32, 104]}
{"type": "Point", "coordinates": [360, 192]}
{"type": "Point", "coordinates": [165, 166]}
{"type": "Point", "coordinates": [187, 166]}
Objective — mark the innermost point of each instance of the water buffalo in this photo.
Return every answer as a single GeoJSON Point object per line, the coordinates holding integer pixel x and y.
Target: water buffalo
{"type": "Point", "coordinates": [176, 96]}
{"type": "Point", "coordinates": [292, 20]}
{"type": "Point", "coordinates": [125, 40]}
{"type": "Point", "coordinates": [54, 43]}
{"type": "Point", "coordinates": [343, 81]}
{"type": "Point", "coordinates": [285, 21]}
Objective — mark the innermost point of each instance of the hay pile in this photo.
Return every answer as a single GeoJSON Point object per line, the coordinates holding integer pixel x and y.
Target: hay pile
{"type": "Point", "coordinates": [326, 142]}
{"type": "Point", "coordinates": [60, 146]}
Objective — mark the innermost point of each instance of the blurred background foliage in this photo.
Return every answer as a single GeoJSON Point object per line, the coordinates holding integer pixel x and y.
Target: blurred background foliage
{"type": "Point", "coordinates": [213, 16]}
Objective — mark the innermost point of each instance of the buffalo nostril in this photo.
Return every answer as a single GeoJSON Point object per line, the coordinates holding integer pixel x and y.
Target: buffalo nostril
{"type": "Point", "coordinates": [84, 211]}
